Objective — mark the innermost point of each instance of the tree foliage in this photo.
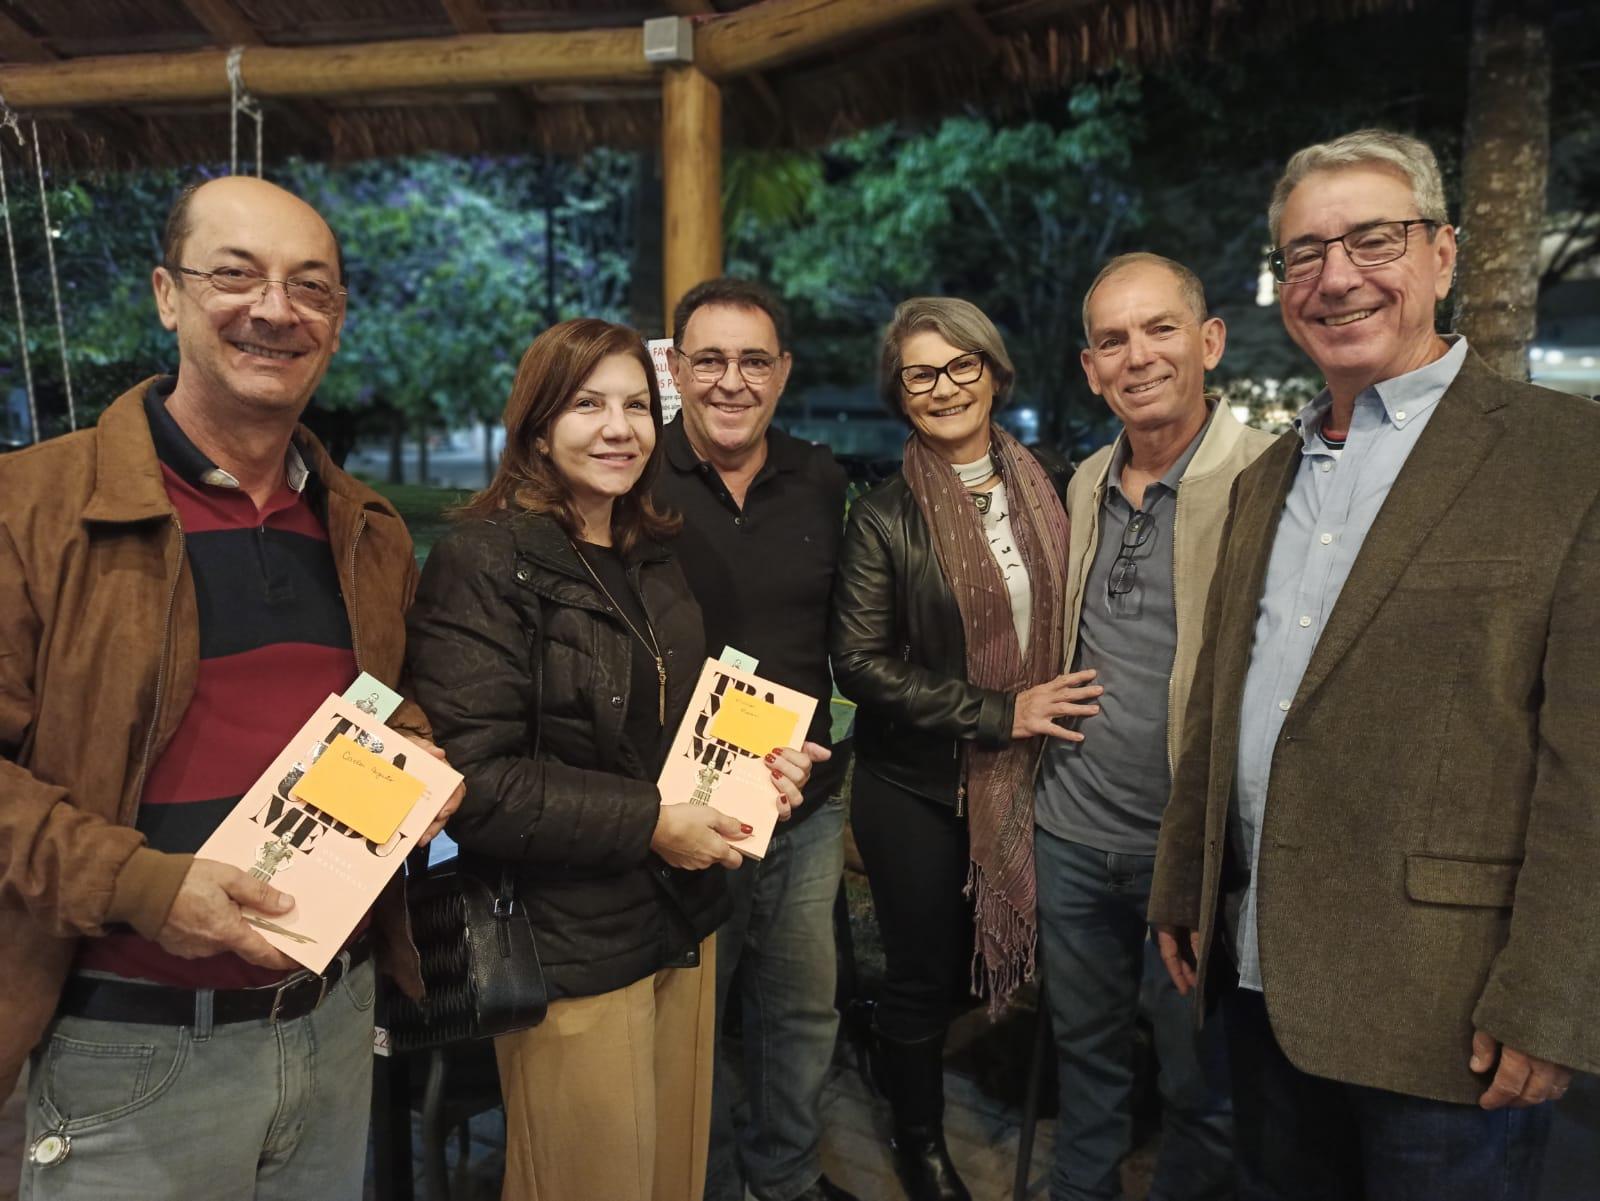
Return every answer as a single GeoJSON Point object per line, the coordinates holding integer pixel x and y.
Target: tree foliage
{"type": "Point", "coordinates": [1014, 217]}
{"type": "Point", "coordinates": [454, 265]}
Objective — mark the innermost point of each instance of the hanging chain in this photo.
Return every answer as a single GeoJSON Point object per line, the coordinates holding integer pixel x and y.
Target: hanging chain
{"type": "Point", "coordinates": [55, 281]}
{"type": "Point", "coordinates": [242, 102]}
{"type": "Point", "coordinates": [8, 120]}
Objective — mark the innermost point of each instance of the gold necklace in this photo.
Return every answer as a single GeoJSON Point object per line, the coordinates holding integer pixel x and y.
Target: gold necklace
{"type": "Point", "coordinates": [650, 645]}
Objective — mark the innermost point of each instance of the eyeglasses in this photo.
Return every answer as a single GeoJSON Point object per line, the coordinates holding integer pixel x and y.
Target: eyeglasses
{"type": "Point", "coordinates": [709, 367]}
{"type": "Point", "coordinates": [1369, 245]}
{"type": "Point", "coordinates": [1125, 569]}
{"type": "Point", "coordinates": [963, 369]}
{"type": "Point", "coordinates": [309, 295]}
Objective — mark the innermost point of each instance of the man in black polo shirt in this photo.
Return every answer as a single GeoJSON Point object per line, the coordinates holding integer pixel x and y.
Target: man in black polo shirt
{"type": "Point", "coordinates": [762, 516]}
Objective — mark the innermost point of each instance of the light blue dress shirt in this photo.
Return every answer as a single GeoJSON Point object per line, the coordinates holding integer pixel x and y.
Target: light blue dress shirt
{"type": "Point", "coordinates": [1332, 503]}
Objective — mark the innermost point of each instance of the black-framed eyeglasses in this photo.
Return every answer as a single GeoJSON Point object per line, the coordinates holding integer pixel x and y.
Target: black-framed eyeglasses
{"type": "Point", "coordinates": [918, 378]}
{"type": "Point", "coordinates": [1125, 568]}
{"type": "Point", "coordinates": [306, 293]}
{"type": "Point", "coordinates": [1369, 245]}
{"type": "Point", "coordinates": [708, 366]}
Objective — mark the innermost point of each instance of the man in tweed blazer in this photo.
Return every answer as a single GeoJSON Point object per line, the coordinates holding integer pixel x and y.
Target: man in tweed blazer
{"type": "Point", "coordinates": [1385, 819]}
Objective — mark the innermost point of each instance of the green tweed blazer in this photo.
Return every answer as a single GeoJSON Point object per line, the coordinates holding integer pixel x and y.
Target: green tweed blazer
{"type": "Point", "coordinates": [1430, 849]}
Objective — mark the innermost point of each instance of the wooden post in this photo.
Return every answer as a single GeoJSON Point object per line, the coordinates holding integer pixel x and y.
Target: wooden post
{"type": "Point", "coordinates": [691, 182]}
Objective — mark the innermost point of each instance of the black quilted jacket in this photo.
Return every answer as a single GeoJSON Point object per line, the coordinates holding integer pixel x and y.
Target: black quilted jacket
{"type": "Point", "coordinates": [551, 783]}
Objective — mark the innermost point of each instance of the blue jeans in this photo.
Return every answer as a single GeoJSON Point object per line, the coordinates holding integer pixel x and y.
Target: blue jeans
{"type": "Point", "coordinates": [780, 942]}
{"type": "Point", "coordinates": [1101, 970]}
{"type": "Point", "coordinates": [248, 1111]}
{"type": "Point", "coordinates": [1308, 1138]}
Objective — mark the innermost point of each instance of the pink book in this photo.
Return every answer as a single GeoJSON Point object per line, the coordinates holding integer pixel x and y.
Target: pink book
{"type": "Point", "coordinates": [734, 720]}
{"type": "Point", "coordinates": [379, 792]}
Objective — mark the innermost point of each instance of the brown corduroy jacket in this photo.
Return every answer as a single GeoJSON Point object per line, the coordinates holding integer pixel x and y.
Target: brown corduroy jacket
{"type": "Point", "coordinates": [99, 648]}
{"type": "Point", "coordinates": [1431, 837]}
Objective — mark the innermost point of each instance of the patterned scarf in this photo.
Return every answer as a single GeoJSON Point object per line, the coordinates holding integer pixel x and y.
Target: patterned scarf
{"type": "Point", "coordinates": [999, 783]}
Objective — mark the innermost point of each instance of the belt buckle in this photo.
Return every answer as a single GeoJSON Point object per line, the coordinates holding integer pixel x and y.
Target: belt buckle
{"type": "Point", "coordinates": [300, 977]}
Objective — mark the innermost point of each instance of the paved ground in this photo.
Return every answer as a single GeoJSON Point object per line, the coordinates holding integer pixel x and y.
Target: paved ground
{"type": "Point", "coordinates": [983, 1130]}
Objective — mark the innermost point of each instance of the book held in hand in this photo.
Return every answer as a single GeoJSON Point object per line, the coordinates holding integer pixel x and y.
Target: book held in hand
{"type": "Point", "coordinates": [735, 719]}
{"type": "Point", "coordinates": [329, 822]}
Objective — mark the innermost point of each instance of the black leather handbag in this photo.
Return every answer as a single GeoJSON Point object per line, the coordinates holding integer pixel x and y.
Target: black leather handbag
{"type": "Point", "coordinates": [479, 962]}
{"type": "Point", "coordinates": [480, 967]}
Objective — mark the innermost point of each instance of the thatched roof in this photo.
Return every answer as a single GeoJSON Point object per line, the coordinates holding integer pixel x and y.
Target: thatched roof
{"type": "Point", "coordinates": [940, 55]}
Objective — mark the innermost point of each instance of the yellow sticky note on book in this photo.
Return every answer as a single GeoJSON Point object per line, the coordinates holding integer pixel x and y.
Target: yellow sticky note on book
{"type": "Point", "coordinates": [752, 724]}
{"type": "Point", "coordinates": [363, 790]}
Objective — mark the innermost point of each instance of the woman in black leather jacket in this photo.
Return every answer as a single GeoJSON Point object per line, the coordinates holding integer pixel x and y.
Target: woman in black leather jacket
{"type": "Point", "coordinates": [947, 628]}
{"type": "Point", "coordinates": [555, 645]}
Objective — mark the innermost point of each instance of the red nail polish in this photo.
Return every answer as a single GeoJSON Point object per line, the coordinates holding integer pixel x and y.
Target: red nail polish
{"type": "Point", "coordinates": [771, 760]}
{"type": "Point", "coordinates": [746, 829]}
{"type": "Point", "coordinates": [777, 775]}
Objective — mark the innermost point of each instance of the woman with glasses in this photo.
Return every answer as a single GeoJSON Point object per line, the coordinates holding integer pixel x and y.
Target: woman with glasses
{"type": "Point", "coordinates": [555, 644]}
{"type": "Point", "coordinates": [947, 629]}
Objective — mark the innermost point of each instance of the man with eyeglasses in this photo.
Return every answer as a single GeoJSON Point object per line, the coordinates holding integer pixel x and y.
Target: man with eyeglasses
{"type": "Point", "coordinates": [763, 513]}
{"type": "Point", "coordinates": [1383, 818]}
{"type": "Point", "coordinates": [180, 587]}
{"type": "Point", "coordinates": [1147, 513]}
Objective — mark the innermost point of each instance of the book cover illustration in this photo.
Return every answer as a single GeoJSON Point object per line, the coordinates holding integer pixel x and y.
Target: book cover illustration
{"type": "Point", "coordinates": [734, 721]}
{"type": "Point", "coordinates": [329, 822]}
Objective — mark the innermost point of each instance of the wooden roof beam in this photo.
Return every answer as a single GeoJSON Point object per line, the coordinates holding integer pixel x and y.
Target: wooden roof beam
{"type": "Point", "coordinates": [776, 32]}
{"type": "Point", "coordinates": [229, 27]}
{"type": "Point", "coordinates": [17, 43]}
{"type": "Point", "coordinates": [476, 60]}
{"type": "Point", "coordinates": [224, 22]}
{"type": "Point", "coordinates": [470, 17]}
{"type": "Point", "coordinates": [752, 39]}
{"type": "Point", "coordinates": [976, 28]}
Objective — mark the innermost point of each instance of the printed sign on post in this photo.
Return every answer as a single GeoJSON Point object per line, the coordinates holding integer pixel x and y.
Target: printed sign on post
{"type": "Point", "coordinates": [661, 356]}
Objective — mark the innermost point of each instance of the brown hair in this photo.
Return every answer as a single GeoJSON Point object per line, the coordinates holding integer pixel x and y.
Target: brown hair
{"type": "Point", "coordinates": [552, 370]}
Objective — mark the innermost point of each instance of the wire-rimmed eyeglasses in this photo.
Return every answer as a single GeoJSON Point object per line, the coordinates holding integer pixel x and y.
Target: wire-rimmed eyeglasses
{"type": "Point", "coordinates": [708, 366]}
{"type": "Point", "coordinates": [306, 293]}
{"type": "Point", "coordinates": [1369, 245]}
{"type": "Point", "coordinates": [1125, 568]}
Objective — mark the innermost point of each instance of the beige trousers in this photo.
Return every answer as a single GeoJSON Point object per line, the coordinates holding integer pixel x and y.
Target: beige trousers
{"type": "Point", "coordinates": [609, 1098]}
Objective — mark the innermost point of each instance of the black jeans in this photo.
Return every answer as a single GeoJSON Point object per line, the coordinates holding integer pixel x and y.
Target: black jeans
{"type": "Point", "coordinates": [916, 855]}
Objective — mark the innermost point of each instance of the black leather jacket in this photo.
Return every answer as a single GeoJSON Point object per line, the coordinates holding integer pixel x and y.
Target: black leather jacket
{"type": "Point", "coordinates": [900, 653]}
{"type": "Point", "coordinates": [551, 783]}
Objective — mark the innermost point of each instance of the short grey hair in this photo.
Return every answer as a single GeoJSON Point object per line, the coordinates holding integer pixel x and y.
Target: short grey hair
{"type": "Point", "coordinates": [960, 323]}
{"type": "Point", "coordinates": [1189, 285]}
{"type": "Point", "coordinates": [1410, 156]}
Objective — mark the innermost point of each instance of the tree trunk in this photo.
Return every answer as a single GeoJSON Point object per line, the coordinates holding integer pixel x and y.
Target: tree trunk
{"type": "Point", "coordinates": [491, 461]}
{"type": "Point", "coordinates": [397, 447]}
{"type": "Point", "coordinates": [1505, 162]}
{"type": "Point", "coordinates": [422, 452]}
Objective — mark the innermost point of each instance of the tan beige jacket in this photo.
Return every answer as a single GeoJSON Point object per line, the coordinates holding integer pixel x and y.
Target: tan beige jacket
{"type": "Point", "coordinates": [99, 648]}
{"type": "Point", "coordinates": [1226, 449]}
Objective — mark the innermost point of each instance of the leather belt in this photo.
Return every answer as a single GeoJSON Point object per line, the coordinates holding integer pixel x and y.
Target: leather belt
{"type": "Point", "coordinates": [109, 1000]}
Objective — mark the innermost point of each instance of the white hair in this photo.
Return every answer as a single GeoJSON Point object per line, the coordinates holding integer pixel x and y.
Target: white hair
{"type": "Point", "coordinates": [1411, 157]}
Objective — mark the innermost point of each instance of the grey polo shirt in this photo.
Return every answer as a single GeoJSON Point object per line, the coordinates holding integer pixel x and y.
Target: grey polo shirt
{"type": "Point", "coordinates": [1109, 790]}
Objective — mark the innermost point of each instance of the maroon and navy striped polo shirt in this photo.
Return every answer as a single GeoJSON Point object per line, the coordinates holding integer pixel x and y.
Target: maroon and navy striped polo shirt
{"type": "Point", "coordinates": [274, 642]}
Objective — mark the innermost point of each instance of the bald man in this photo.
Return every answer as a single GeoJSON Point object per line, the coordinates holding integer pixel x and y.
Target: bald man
{"type": "Point", "coordinates": [179, 588]}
